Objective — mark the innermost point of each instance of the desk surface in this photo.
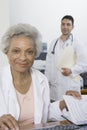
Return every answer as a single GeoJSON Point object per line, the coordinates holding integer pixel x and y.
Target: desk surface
{"type": "Point", "coordinates": [50, 124]}
{"type": "Point", "coordinates": [84, 91]}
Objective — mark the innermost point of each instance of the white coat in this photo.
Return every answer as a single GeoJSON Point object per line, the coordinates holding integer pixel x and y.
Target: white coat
{"type": "Point", "coordinates": [3, 59]}
{"type": "Point", "coordinates": [44, 110]}
{"type": "Point", "coordinates": [59, 83]}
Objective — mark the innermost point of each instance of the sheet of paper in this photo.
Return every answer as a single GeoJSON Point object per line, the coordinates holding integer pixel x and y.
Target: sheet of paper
{"type": "Point", "coordinates": [77, 109]}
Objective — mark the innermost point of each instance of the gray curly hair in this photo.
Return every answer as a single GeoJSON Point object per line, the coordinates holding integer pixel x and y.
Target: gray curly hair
{"type": "Point", "coordinates": [26, 30]}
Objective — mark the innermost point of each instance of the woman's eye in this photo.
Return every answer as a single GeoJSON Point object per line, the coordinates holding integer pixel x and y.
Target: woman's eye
{"type": "Point", "coordinates": [30, 52]}
{"type": "Point", "coordinates": [15, 51]}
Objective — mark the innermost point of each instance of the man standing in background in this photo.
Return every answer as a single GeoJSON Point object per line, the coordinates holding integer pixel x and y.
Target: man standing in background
{"type": "Point", "coordinates": [66, 59]}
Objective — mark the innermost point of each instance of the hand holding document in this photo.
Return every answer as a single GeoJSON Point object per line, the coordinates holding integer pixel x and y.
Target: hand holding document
{"type": "Point", "coordinates": [77, 109]}
{"type": "Point", "coordinates": [67, 58]}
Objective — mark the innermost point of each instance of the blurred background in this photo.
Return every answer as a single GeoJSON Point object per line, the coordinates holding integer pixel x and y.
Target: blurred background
{"type": "Point", "coordinates": [46, 16]}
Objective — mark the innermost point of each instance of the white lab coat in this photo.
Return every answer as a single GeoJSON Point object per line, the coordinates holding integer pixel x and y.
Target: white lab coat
{"type": "Point", "coordinates": [59, 83]}
{"type": "Point", "coordinates": [44, 110]}
{"type": "Point", "coordinates": [3, 59]}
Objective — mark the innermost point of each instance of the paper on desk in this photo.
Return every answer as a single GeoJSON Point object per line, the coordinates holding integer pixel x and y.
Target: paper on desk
{"type": "Point", "coordinates": [67, 58]}
{"type": "Point", "coordinates": [77, 109]}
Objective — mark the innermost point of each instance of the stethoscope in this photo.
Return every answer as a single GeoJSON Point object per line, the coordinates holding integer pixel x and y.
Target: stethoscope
{"type": "Point", "coordinates": [53, 51]}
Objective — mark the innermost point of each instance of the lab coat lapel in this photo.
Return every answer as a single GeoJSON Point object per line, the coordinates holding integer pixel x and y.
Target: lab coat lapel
{"type": "Point", "coordinates": [10, 95]}
{"type": "Point", "coordinates": [37, 80]}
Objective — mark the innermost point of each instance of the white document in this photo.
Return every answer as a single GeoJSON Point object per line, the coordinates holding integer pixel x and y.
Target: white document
{"type": "Point", "coordinates": [67, 58]}
{"type": "Point", "coordinates": [77, 109]}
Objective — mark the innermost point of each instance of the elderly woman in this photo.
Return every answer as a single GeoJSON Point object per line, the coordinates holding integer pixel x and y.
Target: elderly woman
{"type": "Point", "coordinates": [24, 91]}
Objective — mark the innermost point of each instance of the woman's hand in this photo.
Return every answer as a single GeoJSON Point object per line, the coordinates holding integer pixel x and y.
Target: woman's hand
{"type": "Point", "coordinates": [62, 105]}
{"type": "Point", "coordinates": [8, 122]}
{"type": "Point", "coordinates": [74, 94]}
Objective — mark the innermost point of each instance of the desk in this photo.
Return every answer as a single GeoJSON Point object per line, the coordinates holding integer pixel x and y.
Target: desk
{"type": "Point", "coordinates": [84, 91]}
{"type": "Point", "coordinates": [50, 124]}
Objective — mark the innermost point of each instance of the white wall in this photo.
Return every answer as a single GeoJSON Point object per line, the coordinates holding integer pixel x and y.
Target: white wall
{"type": "Point", "coordinates": [4, 24]}
{"type": "Point", "coordinates": [46, 15]}
{"type": "Point", "coordinates": [4, 16]}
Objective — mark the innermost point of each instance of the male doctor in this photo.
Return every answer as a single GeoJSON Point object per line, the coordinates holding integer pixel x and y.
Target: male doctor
{"type": "Point", "coordinates": [66, 59]}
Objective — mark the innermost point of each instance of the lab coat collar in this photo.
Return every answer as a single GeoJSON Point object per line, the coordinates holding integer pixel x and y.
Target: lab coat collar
{"type": "Point", "coordinates": [8, 88]}
{"type": "Point", "coordinates": [38, 103]}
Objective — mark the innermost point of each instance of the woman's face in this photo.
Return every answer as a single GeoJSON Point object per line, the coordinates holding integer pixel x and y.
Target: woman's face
{"type": "Point", "coordinates": [21, 53]}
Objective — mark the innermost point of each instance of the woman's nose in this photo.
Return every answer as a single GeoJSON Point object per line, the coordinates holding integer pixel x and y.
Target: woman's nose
{"type": "Point", "coordinates": [23, 56]}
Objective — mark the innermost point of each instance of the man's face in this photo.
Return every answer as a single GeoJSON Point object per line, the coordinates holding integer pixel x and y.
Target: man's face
{"type": "Point", "coordinates": [66, 26]}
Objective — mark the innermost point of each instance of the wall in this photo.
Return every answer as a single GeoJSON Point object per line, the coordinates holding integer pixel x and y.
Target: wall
{"type": "Point", "coordinates": [4, 16]}
{"type": "Point", "coordinates": [46, 15]}
{"type": "Point", "coordinates": [4, 24]}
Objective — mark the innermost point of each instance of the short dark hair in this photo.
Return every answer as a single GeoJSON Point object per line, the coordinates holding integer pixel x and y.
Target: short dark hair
{"type": "Point", "coordinates": [68, 17]}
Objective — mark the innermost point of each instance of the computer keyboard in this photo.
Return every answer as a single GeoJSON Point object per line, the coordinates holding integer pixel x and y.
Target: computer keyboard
{"type": "Point", "coordinates": [62, 127]}
{"type": "Point", "coordinates": [66, 127]}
